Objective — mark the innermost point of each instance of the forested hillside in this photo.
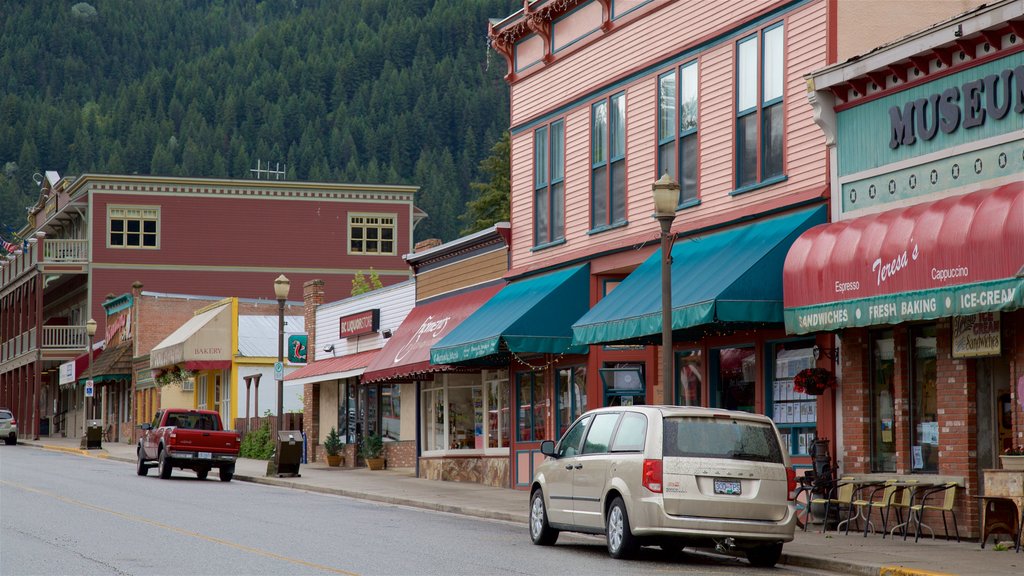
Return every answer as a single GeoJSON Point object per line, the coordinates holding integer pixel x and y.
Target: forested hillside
{"type": "Point", "coordinates": [365, 91]}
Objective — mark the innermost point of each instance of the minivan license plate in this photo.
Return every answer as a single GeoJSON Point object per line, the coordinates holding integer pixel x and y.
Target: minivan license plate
{"type": "Point", "coordinates": [728, 487]}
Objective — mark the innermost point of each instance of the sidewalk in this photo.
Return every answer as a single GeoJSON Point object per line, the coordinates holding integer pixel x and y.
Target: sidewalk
{"type": "Point", "coordinates": [852, 554]}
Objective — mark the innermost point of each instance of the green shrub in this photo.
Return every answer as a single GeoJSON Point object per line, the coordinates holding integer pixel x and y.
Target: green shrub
{"type": "Point", "coordinates": [258, 444]}
{"type": "Point", "coordinates": [332, 443]}
{"type": "Point", "coordinates": [373, 446]}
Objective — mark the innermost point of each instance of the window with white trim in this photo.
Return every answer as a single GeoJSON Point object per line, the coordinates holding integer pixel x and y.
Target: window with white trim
{"type": "Point", "coordinates": [677, 140]}
{"type": "Point", "coordinates": [372, 234]}
{"type": "Point", "coordinates": [133, 227]}
{"type": "Point", "coordinates": [462, 413]}
{"type": "Point", "coordinates": [759, 111]}
{"type": "Point", "coordinates": [549, 183]}
{"type": "Point", "coordinates": [608, 162]}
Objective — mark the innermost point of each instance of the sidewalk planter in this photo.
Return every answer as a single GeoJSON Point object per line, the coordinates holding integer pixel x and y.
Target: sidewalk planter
{"type": "Point", "coordinates": [372, 450]}
{"type": "Point", "coordinates": [1011, 462]}
{"type": "Point", "coordinates": [332, 445]}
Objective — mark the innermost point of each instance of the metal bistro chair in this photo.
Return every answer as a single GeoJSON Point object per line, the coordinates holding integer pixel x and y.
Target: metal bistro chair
{"type": "Point", "coordinates": [816, 482]}
{"type": "Point", "coordinates": [839, 495]}
{"type": "Point", "coordinates": [888, 490]}
{"type": "Point", "coordinates": [901, 499]}
{"type": "Point", "coordinates": [948, 499]}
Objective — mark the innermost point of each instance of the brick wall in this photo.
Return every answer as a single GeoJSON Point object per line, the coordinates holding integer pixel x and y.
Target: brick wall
{"type": "Point", "coordinates": [956, 402]}
{"type": "Point", "coordinates": [312, 298]}
{"type": "Point", "coordinates": [400, 454]}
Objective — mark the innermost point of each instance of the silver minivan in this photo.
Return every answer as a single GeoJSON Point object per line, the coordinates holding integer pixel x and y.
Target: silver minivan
{"type": "Point", "coordinates": [670, 476]}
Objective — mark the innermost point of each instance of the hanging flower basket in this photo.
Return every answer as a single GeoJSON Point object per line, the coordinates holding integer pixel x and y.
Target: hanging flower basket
{"type": "Point", "coordinates": [813, 381]}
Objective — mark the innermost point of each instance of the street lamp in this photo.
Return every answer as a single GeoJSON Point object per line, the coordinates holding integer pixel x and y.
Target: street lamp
{"type": "Point", "coordinates": [666, 199]}
{"type": "Point", "coordinates": [90, 329]}
{"type": "Point", "coordinates": [281, 287]}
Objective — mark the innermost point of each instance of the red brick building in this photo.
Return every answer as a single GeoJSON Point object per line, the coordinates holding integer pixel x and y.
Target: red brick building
{"type": "Point", "coordinates": [94, 235]}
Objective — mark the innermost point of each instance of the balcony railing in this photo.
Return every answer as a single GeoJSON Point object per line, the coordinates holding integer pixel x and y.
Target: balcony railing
{"type": "Point", "coordinates": [71, 338]}
{"type": "Point", "coordinates": [56, 250]}
{"type": "Point", "coordinates": [65, 250]}
{"type": "Point", "coordinates": [65, 337]}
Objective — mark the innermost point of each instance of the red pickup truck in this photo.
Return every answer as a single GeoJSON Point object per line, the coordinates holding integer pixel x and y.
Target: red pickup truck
{"type": "Point", "coordinates": [187, 439]}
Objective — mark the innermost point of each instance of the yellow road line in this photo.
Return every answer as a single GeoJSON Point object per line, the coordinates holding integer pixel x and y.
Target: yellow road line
{"type": "Point", "coordinates": [169, 528]}
{"type": "Point", "coordinates": [904, 571]}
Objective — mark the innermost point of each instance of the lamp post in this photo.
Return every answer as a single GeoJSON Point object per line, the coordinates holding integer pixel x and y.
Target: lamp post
{"type": "Point", "coordinates": [90, 329]}
{"type": "Point", "coordinates": [666, 200]}
{"type": "Point", "coordinates": [281, 287]}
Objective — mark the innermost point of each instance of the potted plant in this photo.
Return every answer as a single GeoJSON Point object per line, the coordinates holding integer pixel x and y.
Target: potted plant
{"type": "Point", "coordinates": [813, 381]}
{"type": "Point", "coordinates": [1012, 458]}
{"type": "Point", "coordinates": [332, 445]}
{"type": "Point", "coordinates": [372, 450]}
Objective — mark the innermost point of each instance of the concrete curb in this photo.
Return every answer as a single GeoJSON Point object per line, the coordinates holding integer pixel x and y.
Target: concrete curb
{"type": "Point", "coordinates": [432, 506]}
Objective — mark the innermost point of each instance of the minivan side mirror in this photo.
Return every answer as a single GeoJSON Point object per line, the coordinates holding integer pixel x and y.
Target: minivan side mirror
{"type": "Point", "coordinates": [547, 448]}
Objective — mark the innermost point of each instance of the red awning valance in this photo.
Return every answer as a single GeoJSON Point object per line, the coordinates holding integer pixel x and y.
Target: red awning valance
{"type": "Point", "coordinates": [332, 368]}
{"type": "Point", "coordinates": [407, 353]}
{"type": "Point", "coordinates": [955, 256]}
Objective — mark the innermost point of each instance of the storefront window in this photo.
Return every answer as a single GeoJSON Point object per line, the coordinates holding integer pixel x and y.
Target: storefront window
{"type": "Point", "coordinates": [499, 421]}
{"type": "Point", "coordinates": [391, 411]}
{"type": "Point", "coordinates": [454, 407]}
{"type": "Point", "coordinates": [794, 413]}
{"type": "Point", "coordinates": [924, 442]}
{"type": "Point", "coordinates": [883, 391]}
{"type": "Point", "coordinates": [571, 397]}
{"type": "Point", "coordinates": [736, 378]}
{"type": "Point", "coordinates": [531, 416]}
{"type": "Point", "coordinates": [690, 380]}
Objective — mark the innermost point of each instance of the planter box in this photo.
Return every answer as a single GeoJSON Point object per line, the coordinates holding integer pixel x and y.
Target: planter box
{"type": "Point", "coordinates": [1011, 462]}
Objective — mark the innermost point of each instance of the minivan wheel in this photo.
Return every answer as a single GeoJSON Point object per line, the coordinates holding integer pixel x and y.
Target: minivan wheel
{"type": "Point", "coordinates": [765, 556]}
{"type": "Point", "coordinates": [621, 542]}
{"type": "Point", "coordinates": [541, 532]}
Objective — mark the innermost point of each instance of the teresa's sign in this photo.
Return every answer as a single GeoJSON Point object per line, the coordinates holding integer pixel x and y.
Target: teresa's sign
{"type": "Point", "coordinates": [366, 322]}
{"type": "Point", "coordinates": [976, 335]}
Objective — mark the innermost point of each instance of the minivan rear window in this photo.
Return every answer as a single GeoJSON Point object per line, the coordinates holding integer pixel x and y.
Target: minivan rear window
{"type": "Point", "coordinates": [731, 439]}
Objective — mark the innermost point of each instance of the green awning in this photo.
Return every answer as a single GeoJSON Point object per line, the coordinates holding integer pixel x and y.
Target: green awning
{"type": "Point", "coordinates": [527, 316]}
{"type": "Point", "coordinates": [732, 277]}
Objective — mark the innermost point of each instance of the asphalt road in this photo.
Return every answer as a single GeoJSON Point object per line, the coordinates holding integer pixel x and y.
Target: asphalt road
{"type": "Point", "coordinates": [68, 514]}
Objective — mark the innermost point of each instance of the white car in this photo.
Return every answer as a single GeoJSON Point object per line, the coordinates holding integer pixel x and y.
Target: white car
{"type": "Point", "coordinates": [8, 427]}
{"type": "Point", "coordinates": [670, 476]}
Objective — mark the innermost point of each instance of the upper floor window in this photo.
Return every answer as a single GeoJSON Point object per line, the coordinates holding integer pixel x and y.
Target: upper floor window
{"type": "Point", "coordinates": [371, 234]}
{"type": "Point", "coordinates": [677, 139]}
{"type": "Point", "coordinates": [133, 227]}
{"type": "Point", "coordinates": [759, 95]}
{"type": "Point", "coordinates": [549, 183]}
{"type": "Point", "coordinates": [608, 161]}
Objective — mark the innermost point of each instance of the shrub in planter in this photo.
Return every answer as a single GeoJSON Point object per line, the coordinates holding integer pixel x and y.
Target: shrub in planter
{"type": "Point", "coordinates": [372, 450]}
{"type": "Point", "coordinates": [332, 445]}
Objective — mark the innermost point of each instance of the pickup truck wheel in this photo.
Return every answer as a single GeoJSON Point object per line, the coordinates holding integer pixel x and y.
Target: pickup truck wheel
{"type": "Point", "coordinates": [140, 467]}
{"type": "Point", "coordinates": [202, 474]}
{"type": "Point", "coordinates": [165, 464]}
{"type": "Point", "coordinates": [227, 473]}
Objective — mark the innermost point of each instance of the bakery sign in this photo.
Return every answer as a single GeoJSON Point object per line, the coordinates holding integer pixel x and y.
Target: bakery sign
{"type": "Point", "coordinates": [976, 335]}
{"type": "Point", "coordinates": [366, 322]}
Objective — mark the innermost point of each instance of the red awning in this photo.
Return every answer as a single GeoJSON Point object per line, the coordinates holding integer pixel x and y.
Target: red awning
{"type": "Point", "coordinates": [955, 256]}
{"type": "Point", "coordinates": [407, 353]}
{"type": "Point", "coordinates": [332, 368]}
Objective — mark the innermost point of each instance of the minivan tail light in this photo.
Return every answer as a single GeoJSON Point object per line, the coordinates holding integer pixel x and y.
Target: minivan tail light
{"type": "Point", "coordinates": [14, 422]}
{"type": "Point", "coordinates": [791, 482]}
{"type": "Point", "coordinates": [652, 476]}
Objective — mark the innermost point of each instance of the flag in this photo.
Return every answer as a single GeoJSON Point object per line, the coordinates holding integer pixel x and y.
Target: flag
{"type": "Point", "coordinates": [9, 246]}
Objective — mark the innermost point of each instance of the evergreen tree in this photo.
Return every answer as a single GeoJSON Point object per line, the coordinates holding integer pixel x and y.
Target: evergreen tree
{"type": "Point", "coordinates": [493, 200]}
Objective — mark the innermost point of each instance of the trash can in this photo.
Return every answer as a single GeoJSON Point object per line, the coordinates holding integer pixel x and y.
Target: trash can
{"type": "Point", "coordinates": [93, 434]}
{"type": "Point", "coordinates": [288, 452]}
